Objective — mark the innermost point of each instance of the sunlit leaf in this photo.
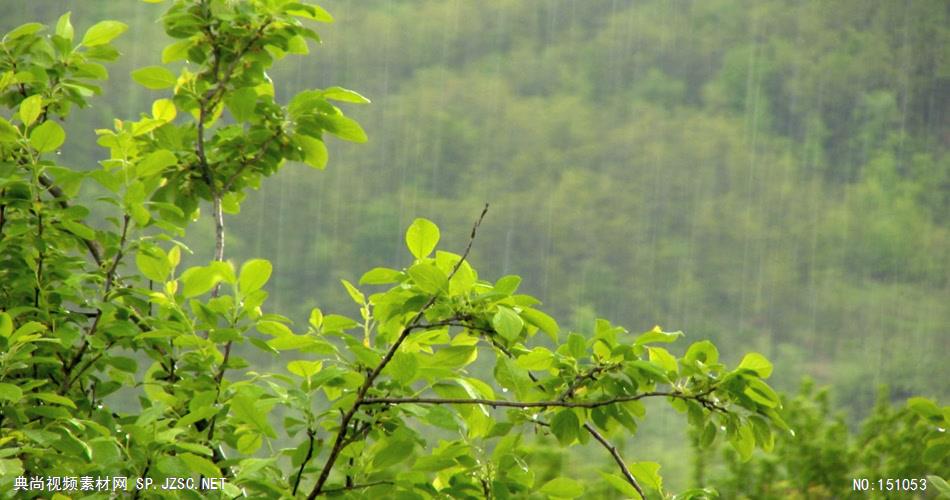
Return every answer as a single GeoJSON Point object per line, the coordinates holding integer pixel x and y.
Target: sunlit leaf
{"type": "Point", "coordinates": [422, 238]}
{"type": "Point", "coordinates": [254, 275]}
{"type": "Point", "coordinates": [154, 77]}
{"type": "Point", "coordinates": [47, 137]}
{"type": "Point", "coordinates": [562, 487]}
{"type": "Point", "coordinates": [757, 363]}
{"type": "Point", "coordinates": [103, 32]}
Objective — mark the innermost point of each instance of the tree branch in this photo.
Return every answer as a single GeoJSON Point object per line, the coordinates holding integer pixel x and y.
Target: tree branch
{"type": "Point", "coordinates": [504, 403]}
{"type": "Point", "coordinates": [58, 194]}
{"type": "Point", "coordinates": [371, 378]}
{"type": "Point", "coordinates": [310, 436]}
{"type": "Point", "coordinates": [354, 487]}
{"type": "Point", "coordinates": [617, 457]}
{"type": "Point", "coordinates": [110, 280]}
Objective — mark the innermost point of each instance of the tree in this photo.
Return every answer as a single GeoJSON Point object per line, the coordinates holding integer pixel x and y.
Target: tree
{"type": "Point", "coordinates": [110, 370]}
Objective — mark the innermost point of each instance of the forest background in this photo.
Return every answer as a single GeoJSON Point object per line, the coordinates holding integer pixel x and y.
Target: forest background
{"type": "Point", "coordinates": [771, 176]}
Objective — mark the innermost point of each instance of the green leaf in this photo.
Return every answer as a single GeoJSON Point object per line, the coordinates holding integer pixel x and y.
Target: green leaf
{"type": "Point", "coordinates": [30, 109]}
{"type": "Point", "coordinates": [566, 426]}
{"type": "Point", "coordinates": [152, 265]}
{"type": "Point", "coordinates": [47, 137]}
{"type": "Point", "coordinates": [103, 32]}
{"type": "Point", "coordinates": [697, 493]}
{"type": "Point", "coordinates": [744, 442]}
{"type": "Point", "coordinates": [354, 294]}
{"type": "Point", "coordinates": [381, 276]}
{"type": "Point", "coordinates": [8, 133]}
{"type": "Point", "coordinates": [403, 367]}
{"type": "Point", "coordinates": [72, 445]}
{"type": "Point", "coordinates": [761, 393]}
{"type": "Point", "coordinates": [79, 229]}
{"type": "Point", "coordinates": [249, 443]}
{"type": "Point", "coordinates": [657, 335]}
{"type": "Point", "coordinates": [924, 407]}
{"type": "Point", "coordinates": [241, 103]}
{"type": "Point", "coordinates": [314, 151]}
{"type": "Point", "coordinates": [428, 277]}
{"type": "Point", "coordinates": [337, 323]}
{"type": "Point", "coordinates": [198, 280]}
{"type": "Point", "coordinates": [757, 363]}
{"type": "Point", "coordinates": [393, 452]}
{"type": "Point", "coordinates": [274, 328]}
{"type": "Point", "coordinates": [647, 474]}
{"type": "Point", "coordinates": [620, 484]}
{"type": "Point", "coordinates": [24, 30]}
{"type": "Point", "coordinates": [10, 392]}
{"type": "Point", "coordinates": [512, 377]}
{"type": "Point", "coordinates": [202, 413]}
{"type": "Point", "coordinates": [662, 358]}
{"type": "Point", "coordinates": [507, 323]}
{"type": "Point", "coordinates": [541, 320]}
{"type": "Point", "coordinates": [703, 351]}
{"type": "Point", "coordinates": [64, 28]}
{"type": "Point", "coordinates": [507, 285]}
{"type": "Point", "coordinates": [104, 451]}
{"type": "Point", "coordinates": [49, 397]}
{"type": "Point", "coordinates": [709, 434]}
{"type": "Point", "coordinates": [6, 324]}
{"type": "Point", "coordinates": [305, 369]}
{"type": "Point", "coordinates": [345, 128]}
{"type": "Point", "coordinates": [154, 77]}
{"type": "Point", "coordinates": [539, 358]}
{"type": "Point", "coordinates": [308, 11]}
{"type": "Point", "coordinates": [344, 95]}
{"type": "Point", "coordinates": [249, 408]}
{"type": "Point", "coordinates": [943, 488]}
{"type": "Point", "coordinates": [453, 357]}
{"type": "Point", "coordinates": [254, 274]}
{"type": "Point", "coordinates": [155, 162]}
{"type": "Point", "coordinates": [164, 110]}
{"type": "Point", "coordinates": [176, 51]}
{"type": "Point", "coordinates": [316, 317]}
{"type": "Point", "coordinates": [562, 487]}
{"type": "Point", "coordinates": [200, 465]}
{"type": "Point", "coordinates": [422, 237]}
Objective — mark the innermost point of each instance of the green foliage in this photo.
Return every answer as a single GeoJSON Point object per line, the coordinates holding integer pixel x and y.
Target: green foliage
{"type": "Point", "coordinates": [823, 456]}
{"type": "Point", "coordinates": [80, 323]}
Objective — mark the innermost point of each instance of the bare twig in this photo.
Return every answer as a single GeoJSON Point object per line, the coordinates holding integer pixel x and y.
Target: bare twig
{"type": "Point", "coordinates": [504, 403]}
{"type": "Point", "coordinates": [371, 378]}
{"type": "Point", "coordinates": [310, 436]}
{"type": "Point", "coordinates": [68, 377]}
{"type": "Point", "coordinates": [58, 194]}
{"type": "Point", "coordinates": [617, 457]}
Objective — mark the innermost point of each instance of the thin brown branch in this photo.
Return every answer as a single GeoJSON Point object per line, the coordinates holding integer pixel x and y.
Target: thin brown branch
{"type": "Point", "coordinates": [504, 403]}
{"type": "Point", "coordinates": [262, 149]}
{"type": "Point", "coordinates": [340, 439]}
{"type": "Point", "coordinates": [332, 491]}
{"type": "Point", "coordinates": [58, 194]}
{"type": "Point", "coordinates": [68, 377]}
{"type": "Point", "coordinates": [306, 460]}
{"type": "Point", "coordinates": [616, 456]}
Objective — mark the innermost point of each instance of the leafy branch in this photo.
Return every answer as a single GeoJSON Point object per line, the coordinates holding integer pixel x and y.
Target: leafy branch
{"type": "Point", "coordinates": [340, 439]}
